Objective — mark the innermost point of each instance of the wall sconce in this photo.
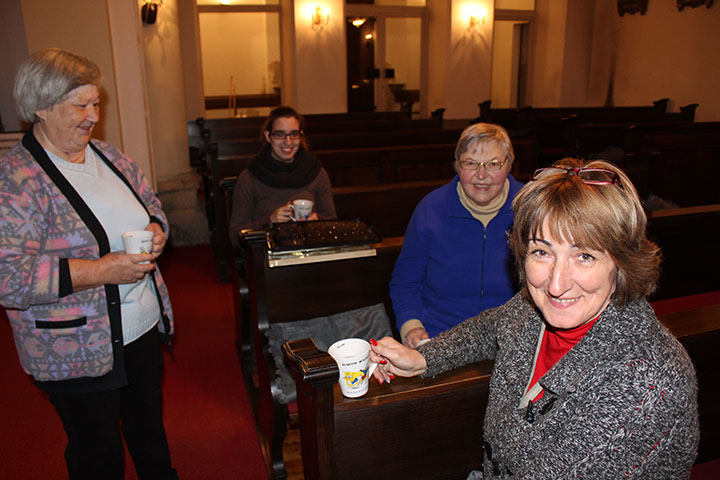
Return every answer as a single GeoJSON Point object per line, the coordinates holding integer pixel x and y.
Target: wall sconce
{"type": "Point", "coordinates": [320, 18]}
{"type": "Point", "coordinates": [476, 16]}
{"type": "Point", "coordinates": [149, 11]}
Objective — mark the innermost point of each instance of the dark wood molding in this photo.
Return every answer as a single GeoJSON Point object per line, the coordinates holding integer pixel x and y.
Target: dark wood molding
{"type": "Point", "coordinates": [632, 6]}
{"type": "Point", "coordinates": [692, 3]}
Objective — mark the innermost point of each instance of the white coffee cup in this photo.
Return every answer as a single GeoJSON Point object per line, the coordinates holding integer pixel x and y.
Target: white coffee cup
{"type": "Point", "coordinates": [138, 241]}
{"type": "Point", "coordinates": [301, 209]}
{"type": "Point", "coordinates": [353, 358]}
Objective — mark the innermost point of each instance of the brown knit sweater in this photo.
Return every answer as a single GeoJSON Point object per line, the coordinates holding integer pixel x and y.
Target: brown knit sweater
{"type": "Point", "coordinates": [254, 201]}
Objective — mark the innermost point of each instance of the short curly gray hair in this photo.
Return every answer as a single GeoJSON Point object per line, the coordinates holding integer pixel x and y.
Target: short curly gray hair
{"type": "Point", "coordinates": [47, 76]}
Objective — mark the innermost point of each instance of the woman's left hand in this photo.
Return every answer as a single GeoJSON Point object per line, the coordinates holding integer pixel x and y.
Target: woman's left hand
{"type": "Point", "coordinates": [313, 216]}
{"type": "Point", "coordinates": [159, 239]}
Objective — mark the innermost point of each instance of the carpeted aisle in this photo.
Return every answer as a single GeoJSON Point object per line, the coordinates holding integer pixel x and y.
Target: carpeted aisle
{"type": "Point", "coordinates": [207, 415]}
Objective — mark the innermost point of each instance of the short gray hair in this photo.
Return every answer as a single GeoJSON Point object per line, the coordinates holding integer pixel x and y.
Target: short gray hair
{"type": "Point", "coordinates": [485, 133]}
{"type": "Point", "coordinates": [46, 77]}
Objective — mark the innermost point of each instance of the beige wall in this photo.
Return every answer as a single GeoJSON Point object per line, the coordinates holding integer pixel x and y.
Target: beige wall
{"type": "Point", "coordinates": [320, 60]}
{"type": "Point", "coordinates": [468, 62]}
{"type": "Point", "coordinates": [12, 44]}
{"type": "Point", "coordinates": [166, 92]}
{"type": "Point", "coordinates": [247, 58]}
{"type": "Point", "coordinates": [439, 12]}
{"type": "Point", "coordinates": [545, 84]}
{"type": "Point", "coordinates": [66, 25]}
{"type": "Point", "coordinates": [666, 53]}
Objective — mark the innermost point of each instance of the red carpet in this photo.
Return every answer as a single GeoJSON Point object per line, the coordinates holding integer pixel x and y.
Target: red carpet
{"type": "Point", "coordinates": [207, 416]}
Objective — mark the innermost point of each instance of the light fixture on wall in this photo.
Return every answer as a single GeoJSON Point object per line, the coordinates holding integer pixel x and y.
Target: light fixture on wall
{"type": "Point", "coordinates": [475, 15]}
{"type": "Point", "coordinates": [320, 17]}
{"type": "Point", "coordinates": [149, 11]}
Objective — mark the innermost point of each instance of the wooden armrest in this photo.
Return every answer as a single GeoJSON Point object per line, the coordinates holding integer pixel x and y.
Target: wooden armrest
{"type": "Point", "coordinates": [410, 414]}
{"type": "Point", "coordinates": [313, 365]}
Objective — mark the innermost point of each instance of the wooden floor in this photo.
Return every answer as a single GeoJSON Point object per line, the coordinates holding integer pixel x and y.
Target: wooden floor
{"type": "Point", "coordinates": [292, 454]}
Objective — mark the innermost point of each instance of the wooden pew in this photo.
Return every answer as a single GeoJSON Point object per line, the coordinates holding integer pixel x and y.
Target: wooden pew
{"type": "Point", "coordinates": [510, 116]}
{"type": "Point", "coordinates": [329, 141]}
{"type": "Point", "coordinates": [9, 139]}
{"type": "Point", "coordinates": [682, 234]}
{"type": "Point", "coordinates": [685, 168]}
{"type": "Point", "coordinates": [329, 422]}
{"type": "Point", "coordinates": [387, 206]}
{"type": "Point", "coordinates": [324, 127]}
{"type": "Point", "coordinates": [202, 131]}
{"type": "Point", "coordinates": [298, 292]}
{"type": "Point", "coordinates": [432, 428]}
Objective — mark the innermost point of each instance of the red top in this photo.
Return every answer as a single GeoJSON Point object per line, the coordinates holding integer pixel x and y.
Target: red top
{"type": "Point", "coordinates": [555, 344]}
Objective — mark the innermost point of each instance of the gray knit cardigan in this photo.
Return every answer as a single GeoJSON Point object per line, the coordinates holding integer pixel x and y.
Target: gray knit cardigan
{"type": "Point", "coordinates": [622, 403]}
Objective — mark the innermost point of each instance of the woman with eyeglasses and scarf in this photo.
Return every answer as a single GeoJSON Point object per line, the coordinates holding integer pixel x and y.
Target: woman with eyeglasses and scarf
{"type": "Point", "coordinates": [283, 171]}
{"type": "Point", "coordinates": [455, 260]}
{"type": "Point", "coordinates": [587, 383]}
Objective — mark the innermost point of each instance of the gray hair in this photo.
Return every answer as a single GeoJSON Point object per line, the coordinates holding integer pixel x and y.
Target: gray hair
{"type": "Point", "coordinates": [485, 133]}
{"type": "Point", "coordinates": [46, 77]}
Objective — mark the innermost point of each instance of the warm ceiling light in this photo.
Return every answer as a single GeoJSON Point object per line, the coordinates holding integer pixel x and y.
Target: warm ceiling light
{"type": "Point", "coordinates": [358, 22]}
{"type": "Point", "coordinates": [368, 36]}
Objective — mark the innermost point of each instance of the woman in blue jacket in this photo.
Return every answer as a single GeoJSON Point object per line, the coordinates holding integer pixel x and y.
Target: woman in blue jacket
{"type": "Point", "coordinates": [455, 260]}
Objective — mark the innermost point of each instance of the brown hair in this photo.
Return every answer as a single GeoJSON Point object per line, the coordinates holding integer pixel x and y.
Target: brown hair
{"type": "Point", "coordinates": [283, 112]}
{"type": "Point", "coordinates": [607, 218]}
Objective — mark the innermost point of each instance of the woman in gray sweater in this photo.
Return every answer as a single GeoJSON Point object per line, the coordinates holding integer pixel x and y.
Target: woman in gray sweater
{"type": "Point", "coordinates": [587, 383]}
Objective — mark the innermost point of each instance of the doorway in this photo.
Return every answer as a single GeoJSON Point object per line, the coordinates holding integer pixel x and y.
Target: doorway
{"type": "Point", "coordinates": [510, 63]}
{"type": "Point", "coordinates": [386, 58]}
{"type": "Point", "coordinates": [361, 71]}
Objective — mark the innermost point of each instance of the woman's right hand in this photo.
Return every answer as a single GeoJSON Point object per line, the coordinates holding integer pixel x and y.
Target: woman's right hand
{"type": "Point", "coordinates": [414, 337]}
{"type": "Point", "coordinates": [119, 268]}
{"type": "Point", "coordinates": [282, 214]}
{"type": "Point", "coordinates": [112, 268]}
{"type": "Point", "coordinates": [395, 359]}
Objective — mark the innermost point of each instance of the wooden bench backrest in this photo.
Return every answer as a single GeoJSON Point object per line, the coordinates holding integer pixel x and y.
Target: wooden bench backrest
{"type": "Point", "coordinates": [684, 236]}
{"type": "Point", "coordinates": [9, 139]}
{"type": "Point", "coordinates": [330, 141]}
{"type": "Point", "coordinates": [387, 207]}
{"type": "Point", "coordinates": [301, 292]}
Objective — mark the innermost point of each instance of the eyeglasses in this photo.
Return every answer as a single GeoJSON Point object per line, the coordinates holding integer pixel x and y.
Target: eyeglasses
{"type": "Point", "coordinates": [491, 166]}
{"type": "Point", "coordinates": [591, 176]}
{"type": "Point", "coordinates": [281, 135]}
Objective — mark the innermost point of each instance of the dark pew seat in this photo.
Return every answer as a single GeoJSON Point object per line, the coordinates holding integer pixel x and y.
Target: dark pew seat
{"type": "Point", "coordinates": [448, 442]}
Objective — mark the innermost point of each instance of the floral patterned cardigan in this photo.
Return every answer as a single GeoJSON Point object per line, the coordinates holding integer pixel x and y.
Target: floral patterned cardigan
{"type": "Point", "coordinates": [61, 335]}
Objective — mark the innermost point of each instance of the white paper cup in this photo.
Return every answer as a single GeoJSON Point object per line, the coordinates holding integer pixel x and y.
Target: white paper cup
{"type": "Point", "coordinates": [353, 358]}
{"type": "Point", "coordinates": [137, 241]}
{"type": "Point", "coordinates": [301, 209]}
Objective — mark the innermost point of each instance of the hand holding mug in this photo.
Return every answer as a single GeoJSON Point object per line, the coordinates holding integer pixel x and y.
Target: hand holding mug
{"type": "Point", "coordinates": [301, 209]}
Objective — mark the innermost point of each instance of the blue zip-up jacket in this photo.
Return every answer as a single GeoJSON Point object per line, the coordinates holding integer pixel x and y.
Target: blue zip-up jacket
{"type": "Point", "coordinates": [451, 267]}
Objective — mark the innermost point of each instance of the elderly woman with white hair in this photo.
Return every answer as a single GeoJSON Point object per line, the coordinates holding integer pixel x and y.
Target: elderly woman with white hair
{"type": "Point", "coordinates": [88, 319]}
{"type": "Point", "coordinates": [455, 260]}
